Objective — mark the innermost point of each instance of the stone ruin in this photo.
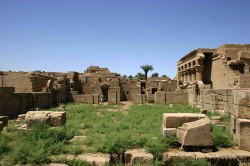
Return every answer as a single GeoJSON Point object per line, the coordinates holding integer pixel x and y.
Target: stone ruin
{"type": "Point", "coordinates": [22, 91]}
{"type": "Point", "coordinates": [218, 80]}
{"type": "Point", "coordinates": [211, 79]}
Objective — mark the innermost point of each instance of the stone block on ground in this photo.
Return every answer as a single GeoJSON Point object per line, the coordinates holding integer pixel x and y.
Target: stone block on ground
{"type": "Point", "coordinates": [5, 120]}
{"type": "Point", "coordinates": [197, 133]}
{"type": "Point", "coordinates": [138, 156]}
{"type": "Point", "coordinates": [243, 133]}
{"type": "Point", "coordinates": [174, 120]}
{"type": "Point", "coordinates": [57, 118]}
{"type": "Point", "coordinates": [97, 159]}
{"type": "Point", "coordinates": [33, 117]}
{"type": "Point", "coordinates": [168, 132]}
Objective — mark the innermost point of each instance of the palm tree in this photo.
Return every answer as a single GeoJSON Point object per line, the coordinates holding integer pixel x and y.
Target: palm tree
{"type": "Point", "coordinates": [155, 75]}
{"type": "Point", "coordinates": [146, 68]}
{"type": "Point", "coordinates": [140, 76]}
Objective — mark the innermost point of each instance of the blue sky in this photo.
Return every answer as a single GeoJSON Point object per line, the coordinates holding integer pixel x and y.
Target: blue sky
{"type": "Point", "coordinates": [70, 35]}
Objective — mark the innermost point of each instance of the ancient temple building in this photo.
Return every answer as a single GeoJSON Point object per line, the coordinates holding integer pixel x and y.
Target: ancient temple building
{"type": "Point", "coordinates": [219, 80]}
{"type": "Point", "coordinates": [22, 91]}
{"type": "Point", "coordinates": [224, 67]}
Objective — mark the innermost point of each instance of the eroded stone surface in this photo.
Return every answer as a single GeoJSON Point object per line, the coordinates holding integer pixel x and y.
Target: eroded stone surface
{"type": "Point", "coordinates": [197, 133]}
{"type": "Point", "coordinates": [138, 156]}
{"type": "Point", "coordinates": [97, 159]}
{"type": "Point", "coordinates": [174, 120]}
{"type": "Point", "coordinates": [55, 119]}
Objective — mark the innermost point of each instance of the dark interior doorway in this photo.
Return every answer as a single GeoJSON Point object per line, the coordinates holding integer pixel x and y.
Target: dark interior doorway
{"type": "Point", "coordinates": [105, 91]}
{"type": "Point", "coordinates": [207, 70]}
{"type": "Point", "coordinates": [143, 87]}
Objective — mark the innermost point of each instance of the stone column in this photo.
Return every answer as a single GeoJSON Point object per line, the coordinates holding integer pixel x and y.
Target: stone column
{"type": "Point", "coordinates": [193, 75]}
{"type": "Point", "coordinates": [199, 70]}
{"type": "Point", "coordinates": [181, 77]}
{"type": "Point", "coordinates": [184, 73]}
{"type": "Point", "coordinates": [188, 76]}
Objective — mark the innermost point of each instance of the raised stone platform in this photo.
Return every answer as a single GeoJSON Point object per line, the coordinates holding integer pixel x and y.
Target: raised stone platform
{"type": "Point", "coordinates": [224, 156]}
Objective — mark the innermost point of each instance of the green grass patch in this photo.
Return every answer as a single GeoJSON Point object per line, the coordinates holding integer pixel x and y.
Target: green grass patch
{"type": "Point", "coordinates": [189, 162]}
{"type": "Point", "coordinates": [222, 137]}
{"type": "Point", "coordinates": [111, 132]}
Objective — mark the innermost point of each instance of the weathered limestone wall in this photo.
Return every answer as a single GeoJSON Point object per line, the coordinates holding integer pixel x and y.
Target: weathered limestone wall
{"type": "Point", "coordinates": [240, 118]}
{"type": "Point", "coordinates": [114, 96]}
{"type": "Point", "coordinates": [236, 103]}
{"type": "Point", "coordinates": [86, 98]}
{"type": "Point", "coordinates": [222, 76]}
{"type": "Point", "coordinates": [162, 97]}
{"type": "Point", "coordinates": [24, 82]}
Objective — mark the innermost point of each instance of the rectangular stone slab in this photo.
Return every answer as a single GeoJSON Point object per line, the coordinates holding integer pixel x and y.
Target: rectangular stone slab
{"type": "Point", "coordinates": [174, 120]}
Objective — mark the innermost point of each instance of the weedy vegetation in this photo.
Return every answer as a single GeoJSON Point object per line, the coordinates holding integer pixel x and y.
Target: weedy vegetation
{"type": "Point", "coordinates": [106, 131]}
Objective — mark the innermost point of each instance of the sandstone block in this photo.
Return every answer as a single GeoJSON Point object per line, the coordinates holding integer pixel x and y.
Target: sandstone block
{"type": "Point", "coordinates": [4, 120]}
{"type": "Point", "coordinates": [57, 118]}
{"type": "Point", "coordinates": [197, 133]}
{"type": "Point", "coordinates": [138, 156]}
{"type": "Point", "coordinates": [243, 133]}
{"type": "Point", "coordinates": [167, 132]}
{"type": "Point", "coordinates": [241, 97]}
{"type": "Point", "coordinates": [139, 99]}
{"type": "Point", "coordinates": [174, 120]}
{"type": "Point", "coordinates": [33, 117]}
{"type": "Point", "coordinates": [160, 97]}
{"type": "Point", "coordinates": [241, 111]}
{"type": "Point", "coordinates": [97, 159]}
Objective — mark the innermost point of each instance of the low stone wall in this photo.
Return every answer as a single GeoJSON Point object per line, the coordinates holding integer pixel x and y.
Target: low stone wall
{"type": "Point", "coordinates": [162, 97]}
{"type": "Point", "coordinates": [235, 102]}
{"type": "Point", "coordinates": [13, 104]}
{"type": "Point", "coordinates": [86, 98]}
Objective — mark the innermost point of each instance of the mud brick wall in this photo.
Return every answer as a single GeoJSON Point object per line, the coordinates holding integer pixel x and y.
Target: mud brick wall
{"type": "Point", "coordinates": [21, 82]}
{"type": "Point", "coordinates": [171, 97]}
{"type": "Point", "coordinates": [150, 97]}
{"type": "Point", "coordinates": [42, 100]}
{"type": "Point", "coordinates": [39, 82]}
{"type": "Point", "coordinates": [86, 88]}
{"type": "Point", "coordinates": [86, 98]}
{"type": "Point", "coordinates": [160, 97]}
{"type": "Point", "coordinates": [134, 90]}
{"type": "Point", "coordinates": [114, 96]}
{"type": "Point", "coordinates": [169, 86]}
{"type": "Point", "coordinates": [139, 99]}
{"type": "Point", "coordinates": [10, 104]}
{"type": "Point", "coordinates": [176, 98]}
{"type": "Point", "coordinates": [24, 82]}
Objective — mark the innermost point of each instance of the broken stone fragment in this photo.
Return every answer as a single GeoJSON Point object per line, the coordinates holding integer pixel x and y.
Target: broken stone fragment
{"type": "Point", "coordinates": [57, 118]}
{"type": "Point", "coordinates": [168, 132]}
{"type": "Point", "coordinates": [174, 120]}
{"type": "Point", "coordinates": [197, 133]}
{"type": "Point", "coordinates": [138, 156]}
